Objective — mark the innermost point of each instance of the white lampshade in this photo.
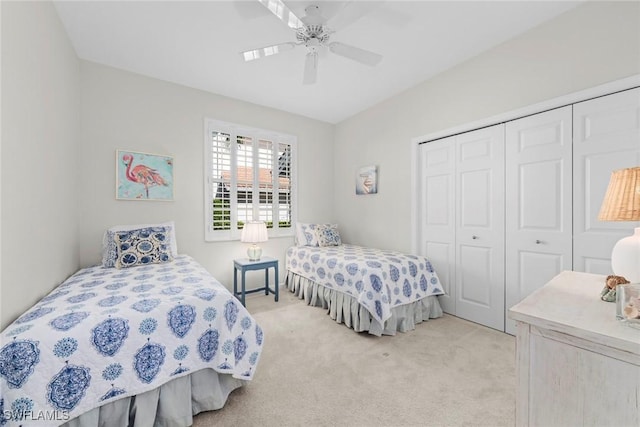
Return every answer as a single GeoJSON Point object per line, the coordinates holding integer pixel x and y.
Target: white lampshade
{"type": "Point", "coordinates": [622, 203]}
{"type": "Point", "coordinates": [254, 232]}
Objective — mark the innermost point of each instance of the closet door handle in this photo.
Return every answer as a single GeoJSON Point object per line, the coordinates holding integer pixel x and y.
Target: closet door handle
{"type": "Point", "coordinates": [474, 237]}
{"type": "Point", "coordinates": [538, 241]}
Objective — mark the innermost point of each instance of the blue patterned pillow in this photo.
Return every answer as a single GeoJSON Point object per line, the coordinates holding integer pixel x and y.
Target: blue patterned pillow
{"type": "Point", "coordinates": [328, 235]}
{"type": "Point", "coordinates": [141, 247]}
{"type": "Point", "coordinates": [110, 247]}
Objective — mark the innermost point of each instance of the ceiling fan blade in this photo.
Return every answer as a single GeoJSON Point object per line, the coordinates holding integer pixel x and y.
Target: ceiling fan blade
{"type": "Point", "coordinates": [351, 12]}
{"type": "Point", "coordinates": [283, 13]}
{"type": "Point", "coordinates": [250, 55]}
{"type": "Point", "coordinates": [355, 53]}
{"type": "Point", "coordinates": [310, 68]}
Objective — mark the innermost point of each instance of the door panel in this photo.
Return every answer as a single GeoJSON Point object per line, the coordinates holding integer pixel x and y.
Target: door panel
{"type": "Point", "coordinates": [606, 133]}
{"type": "Point", "coordinates": [477, 268]}
{"type": "Point", "coordinates": [436, 215]}
{"type": "Point", "coordinates": [438, 188]}
{"type": "Point", "coordinates": [597, 265]}
{"type": "Point", "coordinates": [538, 203]}
{"type": "Point", "coordinates": [480, 226]}
{"type": "Point", "coordinates": [440, 258]}
{"type": "Point", "coordinates": [532, 264]}
{"type": "Point", "coordinates": [475, 193]}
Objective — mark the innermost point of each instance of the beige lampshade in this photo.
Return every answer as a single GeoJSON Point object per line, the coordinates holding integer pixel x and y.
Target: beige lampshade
{"type": "Point", "coordinates": [254, 232]}
{"type": "Point", "coordinates": [622, 200]}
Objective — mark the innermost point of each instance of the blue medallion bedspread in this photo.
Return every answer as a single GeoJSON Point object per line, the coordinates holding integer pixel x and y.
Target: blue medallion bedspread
{"type": "Point", "coordinates": [106, 333]}
{"type": "Point", "coordinates": [379, 280]}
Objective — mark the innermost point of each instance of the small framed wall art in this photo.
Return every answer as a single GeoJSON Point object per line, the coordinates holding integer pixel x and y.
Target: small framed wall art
{"type": "Point", "coordinates": [143, 176]}
{"type": "Point", "coordinates": [367, 180]}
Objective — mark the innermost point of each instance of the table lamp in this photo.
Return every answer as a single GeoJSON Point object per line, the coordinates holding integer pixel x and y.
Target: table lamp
{"type": "Point", "coordinates": [622, 203]}
{"type": "Point", "coordinates": [254, 232]}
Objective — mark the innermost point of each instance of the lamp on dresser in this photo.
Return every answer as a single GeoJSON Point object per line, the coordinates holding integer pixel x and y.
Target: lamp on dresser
{"type": "Point", "coordinates": [254, 232]}
{"type": "Point", "coordinates": [622, 203]}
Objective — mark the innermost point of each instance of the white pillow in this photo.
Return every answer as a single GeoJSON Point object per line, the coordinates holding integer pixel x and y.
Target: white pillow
{"type": "Point", "coordinates": [109, 254]}
{"type": "Point", "coordinates": [306, 234]}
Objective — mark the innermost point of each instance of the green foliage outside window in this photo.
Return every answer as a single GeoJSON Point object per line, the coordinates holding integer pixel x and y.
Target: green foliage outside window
{"type": "Point", "coordinates": [281, 224]}
{"type": "Point", "coordinates": [221, 214]}
{"type": "Point", "coordinates": [222, 217]}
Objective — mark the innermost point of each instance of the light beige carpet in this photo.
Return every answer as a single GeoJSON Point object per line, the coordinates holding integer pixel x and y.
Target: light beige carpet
{"type": "Point", "coordinates": [316, 372]}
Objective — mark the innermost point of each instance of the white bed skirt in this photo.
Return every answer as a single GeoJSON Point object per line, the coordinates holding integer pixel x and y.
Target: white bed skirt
{"type": "Point", "coordinates": [345, 309]}
{"type": "Point", "coordinates": [172, 404]}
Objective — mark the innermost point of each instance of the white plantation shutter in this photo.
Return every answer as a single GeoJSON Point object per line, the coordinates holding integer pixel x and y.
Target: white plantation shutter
{"type": "Point", "coordinates": [249, 175]}
{"type": "Point", "coordinates": [220, 153]}
{"type": "Point", "coordinates": [244, 173]}
{"type": "Point", "coordinates": [283, 185]}
{"type": "Point", "coordinates": [266, 181]}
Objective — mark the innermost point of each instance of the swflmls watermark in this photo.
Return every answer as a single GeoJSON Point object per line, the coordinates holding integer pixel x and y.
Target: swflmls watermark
{"type": "Point", "coordinates": [35, 415]}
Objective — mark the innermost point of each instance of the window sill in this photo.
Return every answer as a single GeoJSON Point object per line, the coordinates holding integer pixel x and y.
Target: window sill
{"type": "Point", "coordinates": [227, 238]}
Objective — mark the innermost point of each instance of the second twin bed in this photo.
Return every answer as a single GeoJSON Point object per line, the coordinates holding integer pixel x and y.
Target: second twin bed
{"type": "Point", "coordinates": [372, 290]}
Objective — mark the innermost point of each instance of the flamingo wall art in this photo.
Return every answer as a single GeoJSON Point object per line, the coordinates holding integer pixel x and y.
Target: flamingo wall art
{"type": "Point", "coordinates": [143, 176]}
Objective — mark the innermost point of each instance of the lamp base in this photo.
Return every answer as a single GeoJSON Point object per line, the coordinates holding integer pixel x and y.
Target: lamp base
{"type": "Point", "coordinates": [625, 257]}
{"type": "Point", "coordinates": [254, 253]}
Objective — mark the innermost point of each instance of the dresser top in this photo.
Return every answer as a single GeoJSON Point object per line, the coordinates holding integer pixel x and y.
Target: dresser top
{"type": "Point", "coordinates": [570, 303]}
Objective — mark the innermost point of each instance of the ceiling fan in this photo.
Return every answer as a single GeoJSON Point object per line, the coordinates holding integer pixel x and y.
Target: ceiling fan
{"type": "Point", "coordinates": [313, 32]}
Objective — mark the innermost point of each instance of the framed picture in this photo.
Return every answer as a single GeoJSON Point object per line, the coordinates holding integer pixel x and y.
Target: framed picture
{"type": "Point", "coordinates": [367, 180]}
{"type": "Point", "coordinates": [143, 176]}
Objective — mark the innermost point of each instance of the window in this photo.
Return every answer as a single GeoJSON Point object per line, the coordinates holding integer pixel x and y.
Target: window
{"type": "Point", "coordinates": [249, 175]}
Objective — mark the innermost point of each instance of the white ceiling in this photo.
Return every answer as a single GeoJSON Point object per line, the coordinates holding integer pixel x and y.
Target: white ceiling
{"type": "Point", "coordinates": [198, 44]}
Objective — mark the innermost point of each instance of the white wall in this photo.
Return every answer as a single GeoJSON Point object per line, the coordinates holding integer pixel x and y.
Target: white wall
{"type": "Point", "coordinates": [122, 110]}
{"type": "Point", "coordinates": [593, 44]}
{"type": "Point", "coordinates": [39, 175]}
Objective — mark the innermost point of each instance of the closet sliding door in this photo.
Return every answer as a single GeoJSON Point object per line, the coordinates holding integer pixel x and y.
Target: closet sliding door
{"type": "Point", "coordinates": [606, 137]}
{"type": "Point", "coordinates": [437, 213]}
{"type": "Point", "coordinates": [538, 209]}
{"type": "Point", "coordinates": [480, 226]}
{"type": "Point", "coordinates": [461, 211]}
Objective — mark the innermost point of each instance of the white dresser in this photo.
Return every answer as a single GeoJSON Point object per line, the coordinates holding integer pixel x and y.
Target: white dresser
{"type": "Point", "coordinates": [576, 365]}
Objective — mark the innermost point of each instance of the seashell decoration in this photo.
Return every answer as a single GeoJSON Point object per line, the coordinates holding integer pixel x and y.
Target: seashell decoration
{"type": "Point", "coordinates": [609, 291]}
{"type": "Point", "coordinates": [632, 308]}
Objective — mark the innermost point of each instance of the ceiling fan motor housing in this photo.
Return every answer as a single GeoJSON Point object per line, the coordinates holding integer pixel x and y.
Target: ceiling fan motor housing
{"type": "Point", "coordinates": [313, 35]}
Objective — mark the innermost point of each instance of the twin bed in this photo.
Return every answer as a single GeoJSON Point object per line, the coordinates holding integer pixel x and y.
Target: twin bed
{"type": "Point", "coordinates": [149, 345]}
{"type": "Point", "coordinates": [369, 290]}
{"type": "Point", "coordinates": [151, 338]}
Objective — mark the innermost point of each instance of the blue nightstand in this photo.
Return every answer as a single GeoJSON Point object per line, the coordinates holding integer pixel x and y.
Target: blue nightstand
{"type": "Point", "coordinates": [244, 265]}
